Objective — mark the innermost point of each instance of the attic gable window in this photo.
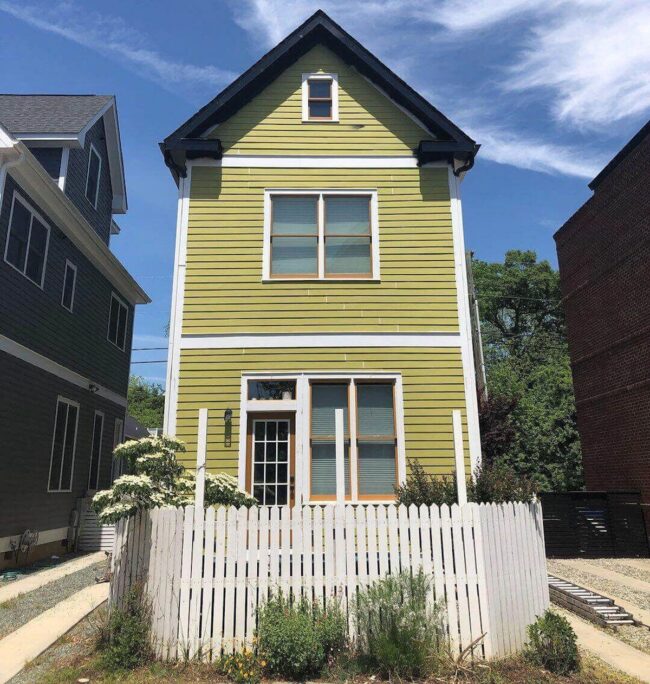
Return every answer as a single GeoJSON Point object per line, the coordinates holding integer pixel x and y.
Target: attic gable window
{"type": "Point", "coordinates": [320, 97]}
{"type": "Point", "coordinates": [93, 176]}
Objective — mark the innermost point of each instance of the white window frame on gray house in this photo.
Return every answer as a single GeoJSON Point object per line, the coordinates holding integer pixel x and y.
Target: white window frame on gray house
{"type": "Point", "coordinates": [67, 403]}
{"type": "Point", "coordinates": [34, 215]}
{"type": "Point", "coordinates": [96, 451]}
{"type": "Point", "coordinates": [93, 150]}
{"type": "Point", "coordinates": [70, 268]}
{"type": "Point", "coordinates": [122, 304]}
{"type": "Point", "coordinates": [119, 466]}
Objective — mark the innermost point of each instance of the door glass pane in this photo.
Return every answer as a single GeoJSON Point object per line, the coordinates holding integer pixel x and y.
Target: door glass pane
{"type": "Point", "coordinates": [270, 471]}
{"type": "Point", "coordinates": [57, 448]}
{"type": "Point", "coordinates": [294, 215]}
{"type": "Point", "coordinates": [294, 256]}
{"type": "Point", "coordinates": [36, 252]}
{"type": "Point", "coordinates": [347, 215]}
{"type": "Point", "coordinates": [18, 236]}
{"type": "Point", "coordinates": [347, 255]}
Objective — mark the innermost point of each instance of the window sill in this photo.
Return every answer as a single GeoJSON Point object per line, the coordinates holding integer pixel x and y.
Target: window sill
{"type": "Point", "coordinates": [321, 280]}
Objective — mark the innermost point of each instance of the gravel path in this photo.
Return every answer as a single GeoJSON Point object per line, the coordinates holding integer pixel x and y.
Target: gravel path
{"type": "Point", "coordinates": [38, 566]}
{"type": "Point", "coordinates": [617, 565]}
{"type": "Point", "coordinates": [607, 587]}
{"type": "Point", "coordinates": [20, 610]}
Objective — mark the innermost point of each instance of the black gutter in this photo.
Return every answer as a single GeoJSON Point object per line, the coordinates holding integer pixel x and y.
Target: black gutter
{"type": "Point", "coordinates": [441, 150]}
{"type": "Point", "coordinates": [177, 152]}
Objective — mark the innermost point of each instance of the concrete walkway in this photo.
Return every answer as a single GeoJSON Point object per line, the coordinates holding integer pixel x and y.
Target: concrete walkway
{"type": "Point", "coordinates": [609, 649]}
{"type": "Point", "coordinates": [30, 640]}
{"type": "Point", "coordinates": [38, 579]}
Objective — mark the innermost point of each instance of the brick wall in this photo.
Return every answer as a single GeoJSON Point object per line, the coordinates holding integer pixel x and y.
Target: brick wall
{"type": "Point", "coordinates": [604, 257]}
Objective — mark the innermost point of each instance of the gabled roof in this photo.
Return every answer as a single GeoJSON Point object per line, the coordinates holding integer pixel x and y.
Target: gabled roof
{"type": "Point", "coordinates": [447, 140]}
{"type": "Point", "coordinates": [620, 156]}
{"type": "Point", "coordinates": [50, 113]}
{"type": "Point", "coordinates": [64, 120]}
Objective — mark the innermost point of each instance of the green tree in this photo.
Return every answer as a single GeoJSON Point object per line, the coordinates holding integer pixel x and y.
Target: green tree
{"type": "Point", "coordinates": [528, 371]}
{"type": "Point", "coordinates": [146, 401]}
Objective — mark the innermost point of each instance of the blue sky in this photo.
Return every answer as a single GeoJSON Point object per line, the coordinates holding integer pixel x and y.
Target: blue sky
{"type": "Point", "coordinates": [550, 88]}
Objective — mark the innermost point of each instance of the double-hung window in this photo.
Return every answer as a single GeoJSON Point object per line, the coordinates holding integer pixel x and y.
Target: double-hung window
{"type": "Point", "coordinates": [117, 321]}
{"type": "Point", "coordinates": [27, 241]}
{"type": "Point", "coordinates": [320, 97]}
{"type": "Point", "coordinates": [93, 176]}
{"type": "Point", "coordinates": [322, 235]}
{"type": "Point", "coordinates": [64, 441]}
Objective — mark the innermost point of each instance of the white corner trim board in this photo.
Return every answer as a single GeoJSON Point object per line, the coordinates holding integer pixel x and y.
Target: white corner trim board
{"type": "Point", "coordinates": [178, 294]}
{"type": "Point", "coordinates": [294, 340]}
{"type": "Point", "coordinates": [308, 162]}
{"type": "Point", "coordinates": [23, 353]}
{"type": "Point", "coordinates": [469, 374]}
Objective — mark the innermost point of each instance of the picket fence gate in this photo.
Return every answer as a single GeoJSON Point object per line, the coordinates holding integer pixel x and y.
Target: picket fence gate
{"type": "Point", "coordinates": [206, 572]}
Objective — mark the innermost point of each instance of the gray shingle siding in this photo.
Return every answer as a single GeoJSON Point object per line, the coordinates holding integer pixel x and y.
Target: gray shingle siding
{"type": "Point", "coordinates": [50, 158]}
{"type": "Point", "coordinates": [75, 182]}
{"type": "Point", "coordinates": [36, 319]}
{"type": "Point", "coordinates": [27, 415]}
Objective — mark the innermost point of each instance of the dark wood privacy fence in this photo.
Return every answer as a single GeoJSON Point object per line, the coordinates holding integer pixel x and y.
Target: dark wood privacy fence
{"type": "Point", "coordinates": [594, 525]}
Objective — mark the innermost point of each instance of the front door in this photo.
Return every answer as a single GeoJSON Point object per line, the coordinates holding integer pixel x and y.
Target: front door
{"type": "Point", "coordinates": [270, 471]}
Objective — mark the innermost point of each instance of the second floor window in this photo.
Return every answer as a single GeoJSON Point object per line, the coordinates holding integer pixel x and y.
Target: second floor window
{"type": "Point", "coordinates": [94, 174]}
{"type": "Point", "coordinates": [117, 322]}
{"type": "Point", "coordinates": [69, 285]}
{"type": "Point", "coordinates": [322, 235]}
{"type": "Point", "coordinates": [27, 241]}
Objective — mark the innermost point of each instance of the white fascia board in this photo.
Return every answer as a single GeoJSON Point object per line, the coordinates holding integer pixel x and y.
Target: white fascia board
{"type": "Point", "coordinates": [115, 160]}
{"type": "Point", "coordinates": [315, 162]}
{"type": "Point", "coordinates": [51, 139]}
{"type": "Point", "coordinates": [19, 351]}
{"type": "Point", "coordinates": [31, 175]}
{"type": "Point", "coordinates": [291, 340]}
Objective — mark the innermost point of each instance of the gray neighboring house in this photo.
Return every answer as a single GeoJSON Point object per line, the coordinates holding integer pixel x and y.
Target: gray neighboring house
{"type": "Point", "coordinates": [66, 312]}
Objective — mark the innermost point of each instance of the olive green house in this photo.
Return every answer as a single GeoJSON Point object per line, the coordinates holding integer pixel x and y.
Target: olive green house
{"type": "Point", "coordinates": [320, 265]}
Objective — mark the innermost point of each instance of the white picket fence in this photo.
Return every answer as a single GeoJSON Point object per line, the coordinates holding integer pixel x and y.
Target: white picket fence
{"type": "Point", "coordinates": [206, 572]}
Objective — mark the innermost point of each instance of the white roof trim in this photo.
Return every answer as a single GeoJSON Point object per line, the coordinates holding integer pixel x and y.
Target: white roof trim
{"type": "Point", "coordinates": [30, 174]}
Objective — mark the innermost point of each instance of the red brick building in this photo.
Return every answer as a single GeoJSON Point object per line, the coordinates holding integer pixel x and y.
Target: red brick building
{"type": "Point", "coordinates": [604, 257]}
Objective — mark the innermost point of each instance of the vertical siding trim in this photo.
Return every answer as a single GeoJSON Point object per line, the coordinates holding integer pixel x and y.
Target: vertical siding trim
{"type": "Point", "coordinates": [178, 294]}
{"type": "Point", "coordinates": [467, 354]}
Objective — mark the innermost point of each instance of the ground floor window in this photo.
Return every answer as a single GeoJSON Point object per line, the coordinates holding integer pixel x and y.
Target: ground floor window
{"type": "Point", "coordinates": [96, 451]}
{"type": "Point", "coordinates": [290, 447]}
{"type": "Point", "coordinates": [64, 442]}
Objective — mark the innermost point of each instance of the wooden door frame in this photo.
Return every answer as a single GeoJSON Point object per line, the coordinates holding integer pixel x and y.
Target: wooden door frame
{"type": "Point", "coordinates": [272, 415]}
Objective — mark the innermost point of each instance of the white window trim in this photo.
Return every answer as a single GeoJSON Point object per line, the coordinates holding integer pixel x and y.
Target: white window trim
{"type": "Point", "coordinates": [69, 264]}
{"type": "Point", "coordinates": [335, 97]}
{"type": "Point", "coordinates": [34, 214]}
{"type": "Point", "coordinates": [93, 150]}
{"type": "Point", "coordinates": [63, 400]}
{"type": "Point", "coordinates": [302, 419]}
{"type": "Point", "coordinates": [118, 438]}
{"type": "Point", "coordinates": [269, 193]}
{"type": "Point", "coordinates": [92, 448]}
{"type": "Point", "coordinates": [126, 324]}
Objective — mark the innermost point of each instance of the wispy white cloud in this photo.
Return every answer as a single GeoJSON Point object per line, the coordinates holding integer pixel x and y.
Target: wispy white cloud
{"type": "Point", "coordinates": [113, 37]}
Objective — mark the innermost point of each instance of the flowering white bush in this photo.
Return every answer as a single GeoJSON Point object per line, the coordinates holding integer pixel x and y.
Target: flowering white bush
{"type": "Point", "coordinates": [158, 479]}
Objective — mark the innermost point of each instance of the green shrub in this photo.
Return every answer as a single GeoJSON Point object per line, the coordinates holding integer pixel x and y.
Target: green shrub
{"type": "Point", "coordinates": [399, 633]}
{"type": "Point", "coordinates": [297, 639]}
{"type": "Point", "coordinates": [499, 482]}
{"type": "Point", "coordinates": [125, 642]}
{"type": "Point", "coordinates": [242, 667]}
{"type": "Point", "coordinates": [423, 488]}
{"type": "Point", "coordinates": [552, 644]}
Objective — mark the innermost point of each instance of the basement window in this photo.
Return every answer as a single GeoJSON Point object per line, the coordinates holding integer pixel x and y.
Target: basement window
{"type": "Point", "coordinates": [320, 97]}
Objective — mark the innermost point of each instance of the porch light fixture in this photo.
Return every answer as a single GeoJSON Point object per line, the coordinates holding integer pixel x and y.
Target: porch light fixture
{"type": "Point", "coordinates": [227, 415]}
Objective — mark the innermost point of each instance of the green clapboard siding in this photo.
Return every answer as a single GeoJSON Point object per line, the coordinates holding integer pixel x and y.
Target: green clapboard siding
{"type": "Point", "coordinates": [224, 292]}
{"type": "Point", "coordinates": [271, 123]}
{"type": "Point", "coordinates": [432, 381]}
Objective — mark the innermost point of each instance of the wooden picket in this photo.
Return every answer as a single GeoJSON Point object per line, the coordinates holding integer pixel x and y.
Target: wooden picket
{"type": "Point", "coordinates": [205, 573]}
